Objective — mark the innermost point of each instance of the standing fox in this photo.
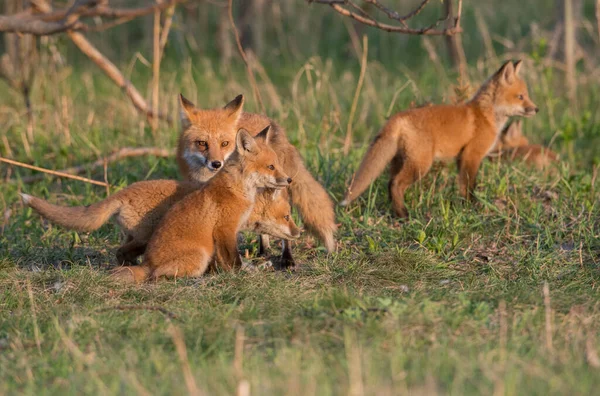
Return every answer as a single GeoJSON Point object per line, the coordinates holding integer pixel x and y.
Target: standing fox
{"type": "Point", "coordinates": [513, 145]}
{"type": "Point", "coordinates": [413, 139]}
{"type": "Point", "coordinates": [140, 207]}
{"type": "Point", "coordinates": [205, 145]}
{"type": "Point", "coordinates": [205, 223]}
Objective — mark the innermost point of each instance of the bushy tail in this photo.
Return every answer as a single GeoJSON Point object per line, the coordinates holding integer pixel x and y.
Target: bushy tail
{"type": "Point", "coordinates": [134, 274]}
{"type": "Point", "coordinates": [314, 204]}
{"type": "Point", "coordinates": [382, 151]}
{"type": "Point", "coordinates": [80, 218]}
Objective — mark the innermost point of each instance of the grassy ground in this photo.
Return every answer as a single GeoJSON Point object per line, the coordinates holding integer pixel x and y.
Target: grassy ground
{"type": "Point", "coordinates": [451, 301]}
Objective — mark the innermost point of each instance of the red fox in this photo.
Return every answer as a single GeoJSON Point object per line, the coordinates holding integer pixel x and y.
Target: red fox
{"type": "Point", "coordinates": [140, 207]}
{"type": "Point", "coordinates": [205, 222]}
{"type": "Point", "coordinates": [205, 144]}
{"type": "Point", "coordinates": [513, 145]}
{"type": "Point", "coordinates": [413, 139]}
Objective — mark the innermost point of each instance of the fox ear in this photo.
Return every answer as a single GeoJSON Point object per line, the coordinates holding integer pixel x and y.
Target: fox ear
{"type": "Point", "coordinates": [186, 108]}
{"type": "Point", "coordinates": [265, 134]}
{"type": "Point", "coordinates": [507, 73]}
{"type": "Point", "coordinates": [518, 65]}
{"type": "Point", "coordinates": [235, 107]}
{"type": "Point", "coordinates": [244, 143]}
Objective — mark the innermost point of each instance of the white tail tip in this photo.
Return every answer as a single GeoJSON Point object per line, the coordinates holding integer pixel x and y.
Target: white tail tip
{"type": "Point", "coordinates": [344, 202]}
{"type": "Point", "coordinates": [26, 198]}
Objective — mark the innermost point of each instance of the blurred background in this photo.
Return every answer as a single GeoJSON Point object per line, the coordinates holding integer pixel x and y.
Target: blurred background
{"type": "Point", "coordinates": [306, 59]}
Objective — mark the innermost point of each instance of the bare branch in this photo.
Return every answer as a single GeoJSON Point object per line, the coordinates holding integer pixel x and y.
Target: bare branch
{"type": "Point", "coordinates": [125, 152]}
{"type": "Point", "coordinates": [111, 71]}
{"type": "Point", "coordinates": [344, 7]}
{"type": "Point", "coordinates": [42, 24]}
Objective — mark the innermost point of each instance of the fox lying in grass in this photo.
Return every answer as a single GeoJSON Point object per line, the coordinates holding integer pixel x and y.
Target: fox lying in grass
{"type": "Point", "coordinates": [205, 144]}
{"type": "Point", "coordinates": [205, 223]}
{"type": "Point", "coordinates": [139, 208]}
{"type": "Point", "coordinates": [514, 146]}
{"type": "Point", "coordinates": [413, 139]}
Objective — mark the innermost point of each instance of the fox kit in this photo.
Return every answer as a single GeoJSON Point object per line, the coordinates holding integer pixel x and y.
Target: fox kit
{"type": "Point", "coordinates": [413, 139]}
{"type": "Point", "coordinates": [205, 144]}
{"type": "Point", "coordinates": [513, 145]}
{"type": "Point", "coordinates": [205, 223]}
{"type": "Point", "coordinates": [140, 207]}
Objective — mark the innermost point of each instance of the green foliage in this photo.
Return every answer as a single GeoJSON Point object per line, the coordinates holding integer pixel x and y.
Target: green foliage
{"type": "Point", "coordinates": [449, 301]}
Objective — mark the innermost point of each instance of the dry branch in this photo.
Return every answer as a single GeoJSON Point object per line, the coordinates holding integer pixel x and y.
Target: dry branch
{"type": "Point", "coordinates": [344, 7]}
{"type": "Point", "coordinates": [125, 152]}
{"type": "Point", "coordinates": [51, 172]}
{"type": "Point", "coordinates": [62, 20]}
{"type": "Point", "coordinates": [111, 71]}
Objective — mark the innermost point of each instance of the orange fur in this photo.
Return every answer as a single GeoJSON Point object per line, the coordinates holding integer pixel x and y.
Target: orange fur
{"type": "Point", "coordinates": [413, 139]}
{"type": "Point", "coordinates": [514, 146]}
{"type": "Point", "coordinates": [205, 223]}
{"type": "Point", "coordinates": [206, 136]}
{"type": "Point", "coordinates": [139, 208]}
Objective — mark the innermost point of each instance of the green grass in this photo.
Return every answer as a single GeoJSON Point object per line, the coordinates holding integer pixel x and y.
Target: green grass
{"type": "Point", "coordinates": [450, 301]}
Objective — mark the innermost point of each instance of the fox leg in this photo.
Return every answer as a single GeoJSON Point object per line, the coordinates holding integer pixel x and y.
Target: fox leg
{"type": "Point", "coordinates": [226, 251]}
{"type": "Point", "coordinates": [130, 251]}
{"type": "Point", "coordinates": [192, 263]}
{"type": "Point", "coordinates": [468, 165]}
{"type": "Point", "coordinates": [405, 172]}
{"type": "Point", "coordinates": [263, 245]}
{"type": "Point", "coordinates": [287, 259]}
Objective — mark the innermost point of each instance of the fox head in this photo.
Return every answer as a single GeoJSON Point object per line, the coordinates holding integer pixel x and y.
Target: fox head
{"type": "Point", "coordinates": [272, 215]}
{"type": "Point", "coordinates": [260, 164]}
{"type": "Point", "coordinates": [207, 138]}
{"type": "Point", "coordinates": [512, 136]}
{"type": "Point", "coordinates": [511, 97]}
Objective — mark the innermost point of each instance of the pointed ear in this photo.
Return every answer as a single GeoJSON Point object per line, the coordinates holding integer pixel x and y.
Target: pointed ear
{"type": "Point", "coordinates": [244, 142]}
{"type": "Point", "coordinates": [234, 107]}
{"type": "Point", "coordinates": [507, 73]}
{"type": "Point", "coordinates": [186, 108]}
{"type": "Point", "coordinates": [517, 66]}
{"type": "Point", "coordinates": [265, 134]}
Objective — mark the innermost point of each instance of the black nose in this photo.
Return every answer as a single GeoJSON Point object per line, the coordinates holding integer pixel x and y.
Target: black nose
{"type": "Point", "coordinates": [536, 109]}
{"type": "Point", "coordinates": [289, 180]}
{"type": "Point", "coordinates": [216, 164]}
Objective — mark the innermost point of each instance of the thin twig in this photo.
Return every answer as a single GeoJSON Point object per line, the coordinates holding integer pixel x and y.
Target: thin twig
{"type": "Point", "coordinates": [162, 310]}
{"type": "Point", "coordinates": [363, 69]}
{"type": "Point", "coordinates": [179, 342]}
{"type": "Point", "coordinates": [51, 172]}
{"type": "Point", "coordinates": [548, 311]}
{"type": "Point", "coordinates": [111, 71]}
{"type": "Point", "coordinates": [70, 172]}
{"type": "Point", "coordinates": [243, 54]}
{"type": "Point", "coordinates": [360, 16]}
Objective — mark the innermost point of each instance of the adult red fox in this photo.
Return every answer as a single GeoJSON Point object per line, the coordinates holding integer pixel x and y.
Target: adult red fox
{"type": "Point", "coordinates": [205, 144]}
{"type": "Point", "coordinates": [204, 224]}
{"type": "Point", "coordinates": [413, 139]}
{"type": "Point", "coordinates": [139, 208]}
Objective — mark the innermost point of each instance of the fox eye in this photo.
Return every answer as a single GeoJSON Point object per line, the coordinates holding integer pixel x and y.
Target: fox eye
{"type": "Point", "coordinates": [520, 97]}
{"type": "Point", "coordinates": [224, 144]}
{"type": "Point", "coordinates": [287, 217]}
{"type": "Point", "coordinates": [200, 143]}
{"type": "Point", "coordinates": [271, 167]}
